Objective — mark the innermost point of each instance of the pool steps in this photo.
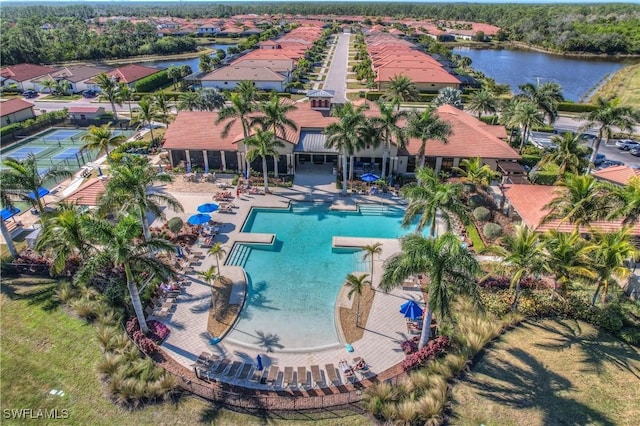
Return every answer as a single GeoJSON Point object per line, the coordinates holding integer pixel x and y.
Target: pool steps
{"type": "Point", "coordinates": [238, 255]}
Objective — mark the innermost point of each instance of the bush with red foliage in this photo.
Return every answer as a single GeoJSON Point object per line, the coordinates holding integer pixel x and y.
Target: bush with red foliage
{"type": "Point", "coordinates": [409, 347]}
{"type": "Point", "coordinates": [158, 331]}
{"type": "Point", "coordinates": [433, 349]}
{"type": "Point", "coordinates": [146, 344]}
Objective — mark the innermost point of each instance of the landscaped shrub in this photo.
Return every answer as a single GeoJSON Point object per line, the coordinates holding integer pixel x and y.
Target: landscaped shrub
{"type": "Point", "coordinates": [544, 177]}
{"type": "Point", "coordinates": [433, 349]}
{"type": "Point", "coordinates": [492, 230]}
{"type": "Point", "coordinates": [152, 82]}
{"type": "Point", "coordinates": [476, 200]}
{"type": "Point", "coordinates": [573, 107]}
{"type": "Point", "coordinates": [158, 331]}
{"type": "Point", "coordinates": [146, 344]}
{"type": "Point", "coordinates": [86, 309]}
{"type": "Point", "coordinates": [409, 347]}
{"type": "Point", "coordinates": [530, 160]}
{"type": "Point", "coordinates": [481, 214]}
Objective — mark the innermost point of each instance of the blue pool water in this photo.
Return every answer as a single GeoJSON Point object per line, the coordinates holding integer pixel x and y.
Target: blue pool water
{"type": "Point", "coordinates": [293, 284]}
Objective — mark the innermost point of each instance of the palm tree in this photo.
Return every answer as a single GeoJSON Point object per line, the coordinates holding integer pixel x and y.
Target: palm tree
{"type": "Point", "coordinates": [100, 138]}
{"type": "Point", "coordinates": [545, 97]}
{"type": "Point", "coordinates": [609, 118]}
{"type": "Point", "coordinates": [49, 84]}
{"type": "Point", "coordinates": [247, 89]}
{"type": "Point", "coordinates": [400, 89]}
{"type": "Point", "coordinates": [263, 144]}
{"type": "Point", "coordinates": [64, 235]}
{"type": "Point", "coordinates": [568, 155]}
{"type": "Point", "coordinates": [626, 202]}
{"type": "Point", "coordinates": [174, 73]}
{"type": "Point", "coordinates": [427, 126]}
{"type": "Point", "coordinates": [210, 276]}
{"type": "Point", "coordinates": [522, 256]}
{"type": "Point", "coordinates": [608, 252]}
{"type": "Point", "coordinates": [21, 180]}
{"type": "Point", "coordinates": [523, 114]}
{"type": "Point", "coordinates": [388, 125]}
{"type": "Point", "coordinates": [448, 96]}
{"type": "Point", "coordinates": [125, 94]}
{"type": "Point", "coordinates": [580, 200]}
{"type": "Point", "coordinates": [163, 107]}
{"type": "Point", "coordinates": [345, 136]}
{"type": "Point", "coordinates": [188, 101]}
{"type": "Point", "coordinates": [370, 251]}
{"type": "Point", "coordinates": [473, 171]}
{"type": "Point", "coordinates": [482, 101]}
{"type": "Point", "coordinates": [239, 108]}
{"type": "Point", "coordinates": [210, 99]}
{"type": "Point", "coordinates": [430, 198]}
{"type": "Point", "coordinates": [62, 87]}
{"type": "Point", "coordinates": [109, 89]}
{"type": "Point", "coordinates": [205, 65]}
{"type": "Point", "coordinates": [356, 283]}
{"type": "Point", "coordinates": [146, 114]}
{"type": "Point", "coordinates": [120, 247]}
{"type": "Point", "coordinates": [566, 259]}
{"type": "Point", "coordinates": [451, 268]}
{"type": "Point", "coordinates": [218, 252]}
{"type": "Point", "coordinates": [133, 186]}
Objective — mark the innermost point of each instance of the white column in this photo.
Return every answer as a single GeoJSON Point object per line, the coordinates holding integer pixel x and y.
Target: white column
{"type": "Point", "coordinates": [188, 154]}
{"type": "Point", "coordinates": [438, 164]}
{"type": "Point", "coordinates": [223, 161]}
{"type": "Point", "coordinates": [206, 160]}
{"type": "Point", "coordinates": [456, 162]}
{"type": "Point", "coordinates": [241, 163]}
{"type": "Point", "coordinates": [171, 158]}
{"type": "Point", "coordinates": [275, 167]}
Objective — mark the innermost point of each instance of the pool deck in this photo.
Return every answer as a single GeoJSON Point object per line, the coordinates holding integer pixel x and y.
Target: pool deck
{"type": "Point", "coordinates": [385, 328]}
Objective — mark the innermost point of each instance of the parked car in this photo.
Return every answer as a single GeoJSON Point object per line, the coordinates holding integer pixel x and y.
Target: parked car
{"type": "Point", "coordinates": [635, 151]}
{"type": "Point", "coordinates": [30, 94]}
{"type": "Point", "coordinates": [588, 137]}
{"type": "Point", "coordinates": [89, 93]}
{"type": "Point", "coordinates": [600, 158]}
{"type": "Point", "coordinates": [609, 163]}
{"type": "Point", "coordinates": [627, 144]}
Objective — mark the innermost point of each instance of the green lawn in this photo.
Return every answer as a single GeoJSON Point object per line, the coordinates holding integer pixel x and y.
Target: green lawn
{"type": "Point", "coordinates": [44, 348]}
{"type": "Point", "coordinates": [551, 373]}
{"type": "Point", "coordinates": [625, 84]}
{"type": "Point", "coordinates": [62, 98]}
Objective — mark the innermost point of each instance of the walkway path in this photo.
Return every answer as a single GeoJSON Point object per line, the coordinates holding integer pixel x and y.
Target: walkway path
{"type": "Point", "coordinates": [337, 76]}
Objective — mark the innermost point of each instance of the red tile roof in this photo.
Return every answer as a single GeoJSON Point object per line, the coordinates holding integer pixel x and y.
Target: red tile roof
{"type": "Point", "coordinates": [14, 105]}
{"type": "Point", "coordinates": [23, 72]}
{"type": "Point", "coordinates": [529, 201]}
{"type": "Point", "coordinates": [617, 174]}
{"type": "Point", "coordinates": [88, 194]}
{"type": "Point", "coordinates": [132, 72]}
{"type": "Point", "coordinates": [416, 75]}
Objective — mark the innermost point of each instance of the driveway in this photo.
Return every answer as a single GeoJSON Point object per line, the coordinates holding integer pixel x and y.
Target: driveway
{"type": "Point", "coordinates": [337, 76]}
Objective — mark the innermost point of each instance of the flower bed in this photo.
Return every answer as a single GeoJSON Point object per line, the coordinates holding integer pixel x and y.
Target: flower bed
{"type": "Point", "coordinates": [144, 343]}
{"type": "Point", "coordinates": [433, 349]}
{"type": "Point", "coordinates": [158, 331]}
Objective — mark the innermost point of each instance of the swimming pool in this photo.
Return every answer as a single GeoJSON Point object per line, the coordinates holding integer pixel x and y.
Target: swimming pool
{"type": "Point", "coordinates": [293, 284]}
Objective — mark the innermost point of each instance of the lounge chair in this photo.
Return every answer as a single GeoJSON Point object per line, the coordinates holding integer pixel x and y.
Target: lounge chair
{"type": "Point", "coordinates": [244, 371]}
{"type": "Point", "coordinates": [273, 375]}
{"type": "Point", "coordinates": [316, 376]}
{"type": "Point", "coordinates": [257, 376]}
{"type": "Point", "coordinates": [222, 366]}
{"type": "Point", "coordinates": [360, 365]}
{"type": "Point", "coordinates": [203, 360]}
{"type": "Point", "coordinates": [288, 377]}
{"type": "Point", "coordinates": [302, 377]}
{"type": "Point", "coordinates": [235, 366]}
{"type": "Point", "coordinates": [331, 374]}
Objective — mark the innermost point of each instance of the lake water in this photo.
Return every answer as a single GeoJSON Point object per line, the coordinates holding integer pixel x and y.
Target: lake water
{"type": "Point", "coordinates": [194, 63]}
{"type": "Point", "coordinates": [577, 76]}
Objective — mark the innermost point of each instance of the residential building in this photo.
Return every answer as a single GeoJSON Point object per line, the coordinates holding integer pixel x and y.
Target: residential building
{"type": "Point", "coordinates": [15, 111]}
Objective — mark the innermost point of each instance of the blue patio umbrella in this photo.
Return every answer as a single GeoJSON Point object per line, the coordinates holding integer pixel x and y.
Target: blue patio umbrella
{"type": "Point", "coordinates": [411, 310]}
{"type": "Point", "coordinates": [369, 177]}
{"type": "Point", "coordinates": [208, 207]}
{"type": "Point", "coordinates": [41, 193]}
{"type": "Point", "coordinates": [9, 212]}
{"type": "Point", "coordinates": [199, 219]}
{"type": "Point", "coordinates": [259, 362]}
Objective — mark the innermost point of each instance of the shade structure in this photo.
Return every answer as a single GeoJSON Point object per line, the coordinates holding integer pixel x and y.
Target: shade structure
{"type": "Point", "coordinates": [411, 310]}
{"type": "Point", "coordinates": [259, 362]}
{"type": "Point", "coordinates": [208, 207]}
{"type": "Point", "coordinates": [9, 212]}
{"type": "Point", "coordinates": [369, 177]}
{"type": "Point", "coordinates": [199, 219]}
{"type": "Point", "coordinates": [41, 193]}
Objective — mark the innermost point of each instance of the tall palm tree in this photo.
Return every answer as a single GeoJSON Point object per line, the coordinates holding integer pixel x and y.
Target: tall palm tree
{"type": "Point", "coordinates": [125, 94]}
{"type": "Point", "coordinates": [210, 99]}
{"type": "Point", "coordinates": [109, 89]}
{"type": "Point", "coordinates": [451, 268]}
{"type": "Point", "coordinates": [21, 180]}
{"type": "Point", "coordinates": [580, 200]}
{"type": "Point", "coordinates": [210, 276]}
{"type": "Point", "coordinates": [345, 135]}
{"type": "Point", "coordinates": [482, 101]}
{"type": "Point", "coordinates": [145, 114]}
{"type": "Point", "coordinates": [608, 117]}
{"type": "Point", "coordinates": [568, 155]}
{"type": "Point", "coordinates": [64, 235]}
{"type": "Point", "coordinates": [120, 247]}
{"type": "Point", "coordinates": [263, 144]}
{"type": "Point", "coordinates": [608, 252]}
{"type": "Point", "coordinates": [356, 283]}
{"type": "Point", "coordinates": [525, 115]}
{"type": "Point", "coordinates": [274, 118]}
{"type": "Point", "coordinates": [566, 259]}
{"type": "Point", "coordinates": [370, 251]}
{"type": "Point", "coordinates": [473, 171]}
{"type": "Point", "coordinates": [430, 198]}
{"type": "Point", "coordinates": [218, 252]}
{"type": "Point", "coordinates": [174, 73]}
{"type": "Point", "coordinates": [62, 87]}
{"type": "Point", "coordinates": [427, 126]}
{"type": "Point", "coordinates": [100, 138]}
{"type": "Point", "coordinates": [388, 124]}
{"type": "Point", "coordinates": [247, 89]}
{"type": "Point", "coordinates": [50, 85]}
{"type": "Point", "coordinates": [626, 202]}
{"type": "Point", "coordinates": [188, 101]}
{"type": "Point", "coordinates": [545, 97]}
{"type": "Point", "coordinates": [522, 256]}
{"type": "Point", "coordinates": [400, 89]}
{"type": "Point", "coordinates": [240, 109]}
{"type": "Point", "coordinates": [133, 186]}
{"type": "Point", "coordinates": [163, 107]}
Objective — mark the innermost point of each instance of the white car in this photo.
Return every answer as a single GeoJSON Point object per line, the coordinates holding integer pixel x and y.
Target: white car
{"type": "Point", "coordinates": [627, 144]}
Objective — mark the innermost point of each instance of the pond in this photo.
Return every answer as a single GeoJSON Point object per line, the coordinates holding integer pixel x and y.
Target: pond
{"type": "Point", "coordinates": [192, 62]}
{"type": "Point", "coordinates": [578, 76]}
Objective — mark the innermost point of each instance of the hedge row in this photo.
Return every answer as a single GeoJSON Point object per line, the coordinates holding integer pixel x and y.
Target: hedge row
{"type": "Point", "coordinates": [573, 107]}
{"type": "Point", "coordinates": [153, 82]}
{"type": "Point", "coordinates": [50, 117]}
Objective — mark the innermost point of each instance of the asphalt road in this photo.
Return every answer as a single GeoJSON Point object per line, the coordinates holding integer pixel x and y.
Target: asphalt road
{"type": "Point", "coordinates": [336, 79]}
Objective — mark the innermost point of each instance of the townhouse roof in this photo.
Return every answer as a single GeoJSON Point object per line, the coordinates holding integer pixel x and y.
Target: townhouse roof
{"type": "Point", "coordinates": [88, 194]}
{"type": "Point", "coordinates": [238, 72]}
{"type": "Point", "coordinates": [132, 72]}
{"type": "Point", "coordinates": [24, 72]}
{"type": "Point", "coordinates": [417, 75]}
{"type": "Point", "coordinates": [617, 174]}
{"type": "Point", "coordinates": [278, 65]}
{"type": "Point", "coordinates": [14, 105]}
{"type": "Point", "coordinates": [76, 73]}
